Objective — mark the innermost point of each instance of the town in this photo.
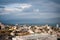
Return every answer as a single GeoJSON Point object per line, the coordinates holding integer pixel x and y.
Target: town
{"type": "Point", "coordinates": [7, 32]}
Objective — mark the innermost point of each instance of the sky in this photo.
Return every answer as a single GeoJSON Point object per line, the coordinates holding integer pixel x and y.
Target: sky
{"type": "Point", "coordinates": [30, 11]}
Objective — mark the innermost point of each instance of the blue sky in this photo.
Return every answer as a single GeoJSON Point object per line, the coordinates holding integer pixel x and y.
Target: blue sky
{"type": "Point", "coordinates": [30, 11]}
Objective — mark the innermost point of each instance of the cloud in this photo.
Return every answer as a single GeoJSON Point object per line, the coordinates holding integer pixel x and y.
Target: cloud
{"type": "Point", "coordinates": [4, 13]}
{"type": "Point", "coordinates": [36, 10]}
{"type": "Point", "coordinates": [32, 9]}
{"type": "Point", "coordinates": [16, 7]}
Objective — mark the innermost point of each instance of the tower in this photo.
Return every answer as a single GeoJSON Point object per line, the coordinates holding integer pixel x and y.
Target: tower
{"type": "Point", "coordinates": [57, 25]}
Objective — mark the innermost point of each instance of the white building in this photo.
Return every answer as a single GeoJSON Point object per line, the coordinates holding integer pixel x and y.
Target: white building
{"type": "Point", "coordinates": [36, 37]}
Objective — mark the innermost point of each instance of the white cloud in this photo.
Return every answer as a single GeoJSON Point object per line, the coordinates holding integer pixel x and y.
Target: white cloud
{"type": "Point", "coordinates": [36, 15]}
{"type": "Point", "coordinates": [40, 9]}
{"type": "Point", "coordinates": [12, 9]}
{"type": "Point", "coordinates": [16, 7]}
{"type": "Point", "coordinates": [25, 6]}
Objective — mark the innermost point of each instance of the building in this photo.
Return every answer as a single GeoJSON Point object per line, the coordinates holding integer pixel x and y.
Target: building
{"type": "Point", "coordinates": [2, 26]}
{"type": "Point", "coordinates": [36, 37]}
